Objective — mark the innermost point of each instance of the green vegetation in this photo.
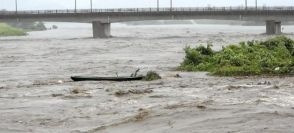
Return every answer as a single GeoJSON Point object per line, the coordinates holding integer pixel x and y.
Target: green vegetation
{"type": "Point", "coordinates": [274, 56]}
{"type": "Point", "coordinates": [151, 75]}
{"type": "Point", "coordinates": [29, 26]}
{"type": "Point", "coordinates": [6, 30]}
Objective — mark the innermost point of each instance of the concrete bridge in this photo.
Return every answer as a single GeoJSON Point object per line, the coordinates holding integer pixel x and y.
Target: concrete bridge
{"type": "Point", "coordinates": [101, 19]}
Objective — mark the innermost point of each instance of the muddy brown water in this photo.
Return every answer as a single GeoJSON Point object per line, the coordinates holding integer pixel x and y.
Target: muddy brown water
{"type": "Point", "coordinates": [37, 95]}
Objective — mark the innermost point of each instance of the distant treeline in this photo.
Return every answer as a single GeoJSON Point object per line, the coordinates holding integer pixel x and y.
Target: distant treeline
{"type": "Point", "coordinates": [228, 22]}
{"type": "Point", "coordinates": [28, 26]}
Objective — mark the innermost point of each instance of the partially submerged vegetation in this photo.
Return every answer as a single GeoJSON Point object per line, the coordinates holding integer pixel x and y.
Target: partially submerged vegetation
{"type": "Point", "coordinates": [6, 30]}
{"type": "Point", "coordinates": [274, 56]}
{"type": "Point", "coordinates": [151, 75]}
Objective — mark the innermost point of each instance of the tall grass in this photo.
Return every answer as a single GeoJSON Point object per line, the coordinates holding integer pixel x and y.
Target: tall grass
{"type": "Point", "coordinates": [6, 30]}
{"type": "Point", "coordinates": [274, 56]}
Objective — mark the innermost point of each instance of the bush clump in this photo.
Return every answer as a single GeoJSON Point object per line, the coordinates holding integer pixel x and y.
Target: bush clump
{"type": "Point", "coordinates": [274, 56]}
{"type": "Point", "coordinates": [151, 75]}
{"type": "Point", "coordinates": [6, 30]}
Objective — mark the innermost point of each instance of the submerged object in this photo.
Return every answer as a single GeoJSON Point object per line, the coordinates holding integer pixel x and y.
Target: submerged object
{"type": "Point", "coordinates": [126, 78]}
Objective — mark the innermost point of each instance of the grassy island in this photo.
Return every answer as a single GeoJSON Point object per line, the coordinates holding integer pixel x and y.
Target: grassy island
{"type": "Point", "coordinates": [274, 56]}
{"type": "Point", "coordinates": [6, 30]}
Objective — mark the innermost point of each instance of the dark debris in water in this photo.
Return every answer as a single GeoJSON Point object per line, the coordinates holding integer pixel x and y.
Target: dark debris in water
{"type": "Point", "coordinates": [264, 83]}
{"type": "Point", "coordinates": [132, 91]}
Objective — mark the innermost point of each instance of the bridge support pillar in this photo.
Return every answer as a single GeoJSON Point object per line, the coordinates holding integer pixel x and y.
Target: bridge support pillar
{"type": "Point", "coordinates": [101, 30]}
{"type": "Point", "coordinates": [273, 27]}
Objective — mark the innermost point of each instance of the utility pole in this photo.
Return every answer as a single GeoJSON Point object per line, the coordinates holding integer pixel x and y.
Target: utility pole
{"type": "Point", "coordinates": [16, 6]}
{"type": "Point", "coordinates": [171, 5]}
{"type": "Point", "coordinates": [245, 4]}
{"type": "Point", "coordinates": [256, 4]}
{"type": "Point", "coordinates": [158, 5]}
{"type": "Point", "coordinates": [75, 6]}
{"type": "Point", "coordinates": [91, 4]}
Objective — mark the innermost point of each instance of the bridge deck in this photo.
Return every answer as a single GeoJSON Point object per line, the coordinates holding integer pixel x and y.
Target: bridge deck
{"type": "Point", "coordinates": [289, 9]}
{"type": "Point", "coordinates": [140, 14]}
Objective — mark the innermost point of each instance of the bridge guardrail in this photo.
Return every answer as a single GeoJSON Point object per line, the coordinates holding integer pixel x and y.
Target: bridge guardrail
{"type": "Point", "coordinates": [140, 10]}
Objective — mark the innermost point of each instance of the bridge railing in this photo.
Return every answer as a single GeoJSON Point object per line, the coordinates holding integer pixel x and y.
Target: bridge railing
{"type": "Point", "coordinates": [138, 10]}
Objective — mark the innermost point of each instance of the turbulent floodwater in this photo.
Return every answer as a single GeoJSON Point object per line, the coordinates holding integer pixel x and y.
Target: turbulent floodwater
{"type": "Point", "coordinates": [36, 94]}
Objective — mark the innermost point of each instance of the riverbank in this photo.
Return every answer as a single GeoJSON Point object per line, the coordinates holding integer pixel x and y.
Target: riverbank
{"type": "Point", "coordinates": [6, 30]}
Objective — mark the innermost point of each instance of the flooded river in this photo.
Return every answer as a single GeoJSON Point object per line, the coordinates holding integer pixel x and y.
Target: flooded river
{"type": "Point", "coordinates": [37, 95]}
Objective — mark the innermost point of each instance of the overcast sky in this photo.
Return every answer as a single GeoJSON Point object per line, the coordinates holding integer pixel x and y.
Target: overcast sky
{"type": "Point", "coordinates": [85, 4]}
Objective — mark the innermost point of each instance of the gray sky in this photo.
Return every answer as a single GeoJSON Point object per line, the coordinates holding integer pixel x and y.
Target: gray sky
{"type": "Point", "coordinates": [85, 4]}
